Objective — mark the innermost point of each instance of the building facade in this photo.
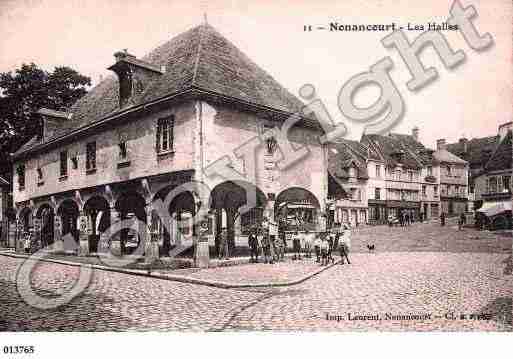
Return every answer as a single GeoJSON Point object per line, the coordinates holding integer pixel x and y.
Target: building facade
{"type": "Point", "coordinates": [493, 186]}
{"type": "Point", "coordinates": [453, 181]}
{"type": "Point", "coordinates": [348, 191]}
{"type": "Point", "coordinates": [401, 178]}
{"type": "Point", "coordinates": [171, 135]}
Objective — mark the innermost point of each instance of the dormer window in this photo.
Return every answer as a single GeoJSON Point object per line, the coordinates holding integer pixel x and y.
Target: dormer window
{"type": "Point", "coordinates": [132, 74]}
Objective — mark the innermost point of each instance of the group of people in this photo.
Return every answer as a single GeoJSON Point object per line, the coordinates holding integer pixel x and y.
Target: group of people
{"type": "Point", "coordinates": [272, 245]}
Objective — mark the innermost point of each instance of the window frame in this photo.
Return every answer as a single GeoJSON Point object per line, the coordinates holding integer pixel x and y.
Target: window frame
{"type": "Point", "coordinates": [21, 171]}
{"type": "Point", "coordinates": [63, 163]}
{"type": "Point", "coordinates": [165, 134]}
{"type": "Point", "coordinates": [90, 156]}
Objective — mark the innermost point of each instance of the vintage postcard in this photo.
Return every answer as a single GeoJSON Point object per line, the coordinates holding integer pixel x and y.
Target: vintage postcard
{"type": "Point", "coordinates": [253, 166]}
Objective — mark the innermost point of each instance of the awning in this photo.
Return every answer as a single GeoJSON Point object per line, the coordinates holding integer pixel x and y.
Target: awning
{"type": "Point", "coordinates": [300, 205]}
{"type": "Point", "coordinates": [491, 209]}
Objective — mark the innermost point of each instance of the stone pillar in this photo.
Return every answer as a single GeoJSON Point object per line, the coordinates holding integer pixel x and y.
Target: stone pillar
{"type": "Point", "coordinates": [113, 241]}
{"type": "Point", "coordinates": [36, 233]}
{"type": "Point", "coordinates": [58, 245]}
{"type": "Point", "coordinates": [19, 236]}
{"type": "Point", "coordinates": [201, 248]}
{"type": "Point", "coordinates": [83, 236]}
{"type": "Point", "coordinates": [151, 244]}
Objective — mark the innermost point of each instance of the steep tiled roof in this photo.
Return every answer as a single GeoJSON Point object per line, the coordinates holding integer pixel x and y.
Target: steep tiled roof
{"type": "Point", "coordinates": [501, 157]}
{"type": "Point", "coordinates": [342, 155]}
{"type": "Point", "coordinates": [390, 146]}
{"type": "Point", "coordinates": [446, 156]}
{"type": "Point", "coordinates": [200, 58]}
{"type": "Point", "coordinates": [418, 150]}
{"type": "Point", "coordinates": [478, 150]}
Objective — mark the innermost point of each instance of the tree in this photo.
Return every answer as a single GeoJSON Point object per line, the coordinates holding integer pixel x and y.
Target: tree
{"type": "Point", "coordinates": [27, 90]}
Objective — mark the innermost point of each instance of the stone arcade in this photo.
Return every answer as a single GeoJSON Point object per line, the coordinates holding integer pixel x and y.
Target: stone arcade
{"type": "Point", "coordinates": [159, 123]}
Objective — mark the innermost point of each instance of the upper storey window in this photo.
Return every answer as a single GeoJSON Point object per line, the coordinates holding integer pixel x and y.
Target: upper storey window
{"type": "Point", "coordinates": [91, 156]}
{"type": "Point", "coordinates": [21, 177]}
{"type": "Point", "coordinates": [64, 163]}
{"type": "Point", "coordinates": [165, 134]}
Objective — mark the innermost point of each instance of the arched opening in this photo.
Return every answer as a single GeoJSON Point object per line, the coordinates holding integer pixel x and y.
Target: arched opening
{"type": "Point", "coordinates": [98, 212]}
{"type": "Point", "coordinates": [131, 205]}
{"type": "Point", "coordinates": [226, 199]}
{"type": "Point", "coordinates": [68, 211]}
{"type": "Point", "coordinates": [181, 207]}
{"type": "Point", "coordinates": [297, 208]}
{"type": "Point", "coordinates": [46, 215]}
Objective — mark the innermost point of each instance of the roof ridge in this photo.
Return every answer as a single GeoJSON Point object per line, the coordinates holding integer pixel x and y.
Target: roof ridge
{"type": "Point", "coordinates": [498, 145]}
{"type": "Point", "coordinates": [196, 61]}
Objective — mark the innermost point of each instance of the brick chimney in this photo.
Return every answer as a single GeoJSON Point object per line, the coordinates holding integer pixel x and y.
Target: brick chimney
{"type": "Point", "coordinates": [440, 144]}
{"type": "Point", "coordinates": [415, 133]}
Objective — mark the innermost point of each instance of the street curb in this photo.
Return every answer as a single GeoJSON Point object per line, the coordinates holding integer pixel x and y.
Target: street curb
{"type": "Point", "coordinates": [177, 278]}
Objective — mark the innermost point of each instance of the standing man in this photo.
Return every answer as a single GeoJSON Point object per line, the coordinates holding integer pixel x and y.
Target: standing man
{"type": "Point", "coordinates": [223, 245]}
{"type": "Point", "coordinates": [296, 244]}
{"type": "Point", "coordinates": [317, 247]}
{"type": "Point", "coordinates": [345, 245]}
{"type": "Point", "coordinates": [442, 219]}
{"type": "Point", "coordinates": [253, 245]}
{"type": "Point", "coordinates": [273, 236]}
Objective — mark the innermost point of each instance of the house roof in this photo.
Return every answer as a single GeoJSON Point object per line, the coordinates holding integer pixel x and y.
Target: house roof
{"type": "Point", "coordinates": [393, 146]}
{"type": "Point", "coordinates": [501, 157]}
{"type": "Point", "coordinates": [342, 155]}
{"type": "Point", "coordinates": [200, 58]}
{"type": "Point", "coordinates": [447, 157]}
{"type": "Point", "coordinates": [478, 151]}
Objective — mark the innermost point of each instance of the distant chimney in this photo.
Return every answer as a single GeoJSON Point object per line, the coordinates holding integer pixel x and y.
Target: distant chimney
{"type": "Point", "coordinates": [504, 128]}
{"type": "Point", "coordinates": [120, 55]}
{"type": "Point", "coordinates": [415, 133]}
{"type": "Point", "coordinates": [464, 143]}
{"type": "Point", "coordinates": [440, 144]}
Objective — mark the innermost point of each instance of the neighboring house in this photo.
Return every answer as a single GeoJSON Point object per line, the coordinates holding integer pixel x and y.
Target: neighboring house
{"type": "Point", "coordinates": [476, 152]}
{"type": "Point", "coordinates": [493, 186]}
{"type": "Point", "coordinates": [402, 174]}
{"type": "Point", "coordinates": [453, 181]}
{"type": "Point", "coordinates": [347, 183]}
{"type": "Point", "coordinates": [162, 121]}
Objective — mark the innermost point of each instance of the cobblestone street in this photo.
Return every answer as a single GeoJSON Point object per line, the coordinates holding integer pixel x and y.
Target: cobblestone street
{"type": "Point", "coordinates": [463, 280]}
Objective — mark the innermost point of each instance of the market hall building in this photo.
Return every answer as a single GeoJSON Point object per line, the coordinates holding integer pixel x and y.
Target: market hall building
{"type": "Point", "coordinates": [157, 123]}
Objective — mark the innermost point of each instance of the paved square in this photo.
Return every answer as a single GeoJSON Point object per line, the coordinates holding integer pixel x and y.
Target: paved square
{"type": "Point", "coordinates": [456, 273]}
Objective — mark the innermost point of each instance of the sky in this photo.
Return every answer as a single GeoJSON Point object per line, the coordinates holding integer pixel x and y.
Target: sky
{"type": "Point", "coordinates": [471, 100]}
